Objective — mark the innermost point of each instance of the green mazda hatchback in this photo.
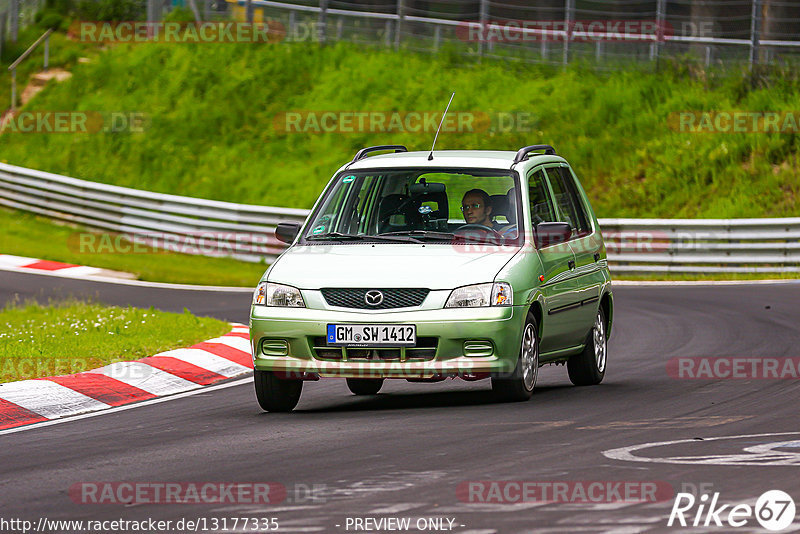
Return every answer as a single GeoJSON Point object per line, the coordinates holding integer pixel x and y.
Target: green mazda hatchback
{"type": "Point", "coordinates": [423, 266]}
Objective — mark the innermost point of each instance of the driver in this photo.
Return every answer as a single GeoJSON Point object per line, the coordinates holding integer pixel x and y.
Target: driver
{"type": "Point", "coordinates": [477, 208]}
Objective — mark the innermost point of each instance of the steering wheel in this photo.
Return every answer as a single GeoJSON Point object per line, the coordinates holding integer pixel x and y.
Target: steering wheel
{"type": "Point", "coordinates": [472, 226]}
{"type": "Point", "coordinates": [511, 229]}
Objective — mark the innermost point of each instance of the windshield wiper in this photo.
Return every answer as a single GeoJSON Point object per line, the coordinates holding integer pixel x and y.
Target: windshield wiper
{"type": "Point", "coordinates": [424, 234]}
{"type": "Point", "coordinates": [334, 235]}
{"type": "Point", "coordinates": [442, 236]}
{"type": "Point", "coordinates": [338, 236]}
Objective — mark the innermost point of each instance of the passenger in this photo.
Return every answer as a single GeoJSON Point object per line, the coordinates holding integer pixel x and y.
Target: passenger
{"type": "Point", "coordinates": [477, 208]}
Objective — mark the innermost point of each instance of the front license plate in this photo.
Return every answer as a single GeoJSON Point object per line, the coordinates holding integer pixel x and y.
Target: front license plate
{"type": "Point", "coordinates": [369, 335]}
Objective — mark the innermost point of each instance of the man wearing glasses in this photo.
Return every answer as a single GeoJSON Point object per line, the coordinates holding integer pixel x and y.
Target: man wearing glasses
{"type": "Point", "coordinates": [477, 208]}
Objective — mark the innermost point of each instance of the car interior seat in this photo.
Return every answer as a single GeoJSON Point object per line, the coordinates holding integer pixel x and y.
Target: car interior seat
{"type": "Point", "coordinates": [394, 213]}
{"type": "Point", "coordinates": [437, 217]}
{"type": "Point", "coordinates": [499, 207]}
{"type": "Point", "coordinates": [509, 230]}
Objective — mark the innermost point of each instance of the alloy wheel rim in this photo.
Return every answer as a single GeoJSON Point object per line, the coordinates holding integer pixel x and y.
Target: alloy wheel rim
{"type": "Point", "coordinates": [600, 343]}
{"type": "Point", "coordinates": [530, 357]}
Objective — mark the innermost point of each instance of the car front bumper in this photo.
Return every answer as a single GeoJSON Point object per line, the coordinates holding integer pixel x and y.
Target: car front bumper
{"type": "Point", "coordinates": [458, 342]}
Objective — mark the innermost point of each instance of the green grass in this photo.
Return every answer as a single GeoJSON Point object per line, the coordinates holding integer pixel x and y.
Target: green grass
{"type": "Point", "coordinates": [23, 234]}
{"type": "Point", "coordinates": [72, 336]}
{"type": "Point", "coordinates": [212, 107]}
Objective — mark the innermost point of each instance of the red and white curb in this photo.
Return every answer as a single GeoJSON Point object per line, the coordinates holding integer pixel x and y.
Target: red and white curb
{"type": "Point", "coordinates": [34, 265]}
{"type": "Point", "coordinates": [174, 371]}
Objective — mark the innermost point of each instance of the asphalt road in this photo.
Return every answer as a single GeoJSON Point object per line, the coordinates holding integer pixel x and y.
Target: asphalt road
{"type": "Point", "coordinates": [405, 453]}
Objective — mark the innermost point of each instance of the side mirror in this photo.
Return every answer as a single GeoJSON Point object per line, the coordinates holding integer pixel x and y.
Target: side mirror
{"type": "Point", "coordinates": [552, 233]}
{"type": "Point", "coordinates": [286, 232]}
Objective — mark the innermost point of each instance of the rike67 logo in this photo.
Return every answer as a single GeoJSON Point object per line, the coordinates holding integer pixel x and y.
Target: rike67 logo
{"type": "Point", "coordinates": [774, 510]}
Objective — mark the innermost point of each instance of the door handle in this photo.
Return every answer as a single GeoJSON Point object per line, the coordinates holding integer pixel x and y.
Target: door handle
{"type": "Point", "coordinates": [596, 256]}
{"type": "Point", "coordinates": [571, 264]}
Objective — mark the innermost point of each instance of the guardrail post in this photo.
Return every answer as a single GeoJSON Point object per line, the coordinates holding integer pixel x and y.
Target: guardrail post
{"type": "Point", "coordinates": [484, 17]}
{"type": "Point", "coordinates": [290, 30]}
{"type": "Point", "coordinates": [569, 7]}
{"type": "Point", "coordinates": [3, 22]}
{"type": "Point", "coordinates": [248, 11]}
{"type": "Point", "coordinates": [437, 35]}
{"type": "Point", "coordinates": [13, 89]}
{"type": "Point", "coordinates": [14, 16]}
{"type": "Point", "coordinates": [755, 26]}
{"type": "Point", "coordinates": [46, 53]}
{"type": "Point", "coordinates": [323, 16]}
{"type": "Point", "coordinates": [151, 11]}
{"type": "Point", "coordinates": [401, 15]}
{"type": "Point", "coordinates": [661, 13]}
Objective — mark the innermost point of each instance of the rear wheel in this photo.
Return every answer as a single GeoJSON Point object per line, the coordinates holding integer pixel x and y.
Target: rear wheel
{"type": "Point", "coordinates": [365, 386]}
{"type": "Point", "coordinates": [589, 367]}
{"type": "Point", "coordinates": [276, 394]}
{"type": "Point", "coordinates": [519, 386]}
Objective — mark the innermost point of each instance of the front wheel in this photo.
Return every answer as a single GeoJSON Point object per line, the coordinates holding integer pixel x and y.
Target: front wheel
{"type": "Point", "coordinates": [365, 386]}
{"type": "Point", "coordinates": [589, 367]}
{"type": "Point", "coordinates": [519, 386]}
{"type": "Point", "coordinates": [276, 394]}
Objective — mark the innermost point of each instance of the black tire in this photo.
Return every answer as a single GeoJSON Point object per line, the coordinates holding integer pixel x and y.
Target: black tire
{"type": "Point", "coordinates": [589, 367]}
{"type": "Point", "coordinates": [519, 385]}
{"type": "Point", "coordinates": [365, 386]}
{"type": "Point", "coordinates": [276, 394]}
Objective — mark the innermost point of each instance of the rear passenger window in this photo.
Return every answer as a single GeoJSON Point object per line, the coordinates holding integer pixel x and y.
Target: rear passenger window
{"type": "Point", "coordinates": [568, 204]}
{"type": "Point", "coordinates": [541, 207]}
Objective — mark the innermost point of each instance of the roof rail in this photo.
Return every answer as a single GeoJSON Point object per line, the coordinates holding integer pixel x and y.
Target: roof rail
{"type": "Point", "coordinates": [522, 153]}
{"type": "Point", "coordinates": [361, 154]}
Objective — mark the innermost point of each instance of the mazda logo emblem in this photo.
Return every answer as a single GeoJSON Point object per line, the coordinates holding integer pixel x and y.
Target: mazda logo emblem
{"type": "Point", "coordinates": [373, 297]}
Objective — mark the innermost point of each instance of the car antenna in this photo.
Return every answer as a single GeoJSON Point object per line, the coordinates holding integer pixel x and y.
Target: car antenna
{"type": "Point", "coordinates": [430, 156]}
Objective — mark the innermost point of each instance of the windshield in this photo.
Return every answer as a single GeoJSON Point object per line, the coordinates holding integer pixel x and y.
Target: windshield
{"type": "Point", "coordinates": [418, 206]}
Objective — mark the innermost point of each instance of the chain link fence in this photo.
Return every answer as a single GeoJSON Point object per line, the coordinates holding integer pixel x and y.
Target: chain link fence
{"type": "Point", "coordinates": [713, 32]}
{"type": "Point", "coordinates": [609, 33]}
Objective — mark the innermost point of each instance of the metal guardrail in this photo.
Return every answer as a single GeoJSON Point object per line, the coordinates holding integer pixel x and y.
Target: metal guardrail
{"type": "Point", "coordinates": [171, 222]}
{"type": "Point", "coordinates": [246, 232]}
{"type": "Point", "coordinates": [703, 245]}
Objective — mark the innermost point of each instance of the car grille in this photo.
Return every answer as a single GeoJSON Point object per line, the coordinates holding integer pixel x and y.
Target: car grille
{"type": "Point", "coordinates": [424, 350]}
{"type": "Point", "coordinates": [392, 298]}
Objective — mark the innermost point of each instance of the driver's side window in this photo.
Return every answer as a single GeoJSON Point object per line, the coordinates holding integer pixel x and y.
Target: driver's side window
{"type": "Point", "coordinates": [541, 206]}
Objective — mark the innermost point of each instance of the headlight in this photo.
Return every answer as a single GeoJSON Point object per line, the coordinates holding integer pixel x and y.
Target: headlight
{"type": "Point", "coordinates": [269, 294]}
{"type": "Point", "coordinates": [497, 294]}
